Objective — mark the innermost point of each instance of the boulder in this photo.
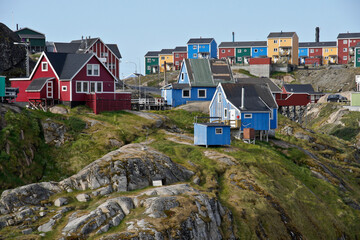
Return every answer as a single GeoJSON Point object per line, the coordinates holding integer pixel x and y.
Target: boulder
{"type": "Point", "coordinates": [60, 202]}
{"type": "Point", "coordinates": [83, 197]}
{"type": "Point", "coordinates": [26, 231]}
{"type": "Point", "coordinates": [54, 133]}
{"type": "Point", "coordinates": [47, 227]}
{"type": "Point", "coordinates": [58, 110]}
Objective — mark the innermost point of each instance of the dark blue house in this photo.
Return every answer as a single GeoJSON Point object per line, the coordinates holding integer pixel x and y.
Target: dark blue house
{"type": "Point", "coordinates": [197, 81]}
{"type": "Point", "coordinates": [208, 134]}
{"type": "Point", "coordinates": [245, 105]}
{"type": "Point", "coordinates": [201, 48]}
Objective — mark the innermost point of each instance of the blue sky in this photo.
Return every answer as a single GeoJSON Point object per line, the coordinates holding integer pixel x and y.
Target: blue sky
{"type": "Point", "coordinates": [139, 26]}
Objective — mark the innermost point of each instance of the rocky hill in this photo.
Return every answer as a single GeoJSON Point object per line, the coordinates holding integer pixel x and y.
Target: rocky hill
{"type": "Point", "coordinates": [300, 185]}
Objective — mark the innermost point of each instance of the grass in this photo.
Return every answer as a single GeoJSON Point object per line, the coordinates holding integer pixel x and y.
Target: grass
{"type": "Point", "coordinates": [245, 72]}
{"type": "Point", "coordinates": [279, 75]}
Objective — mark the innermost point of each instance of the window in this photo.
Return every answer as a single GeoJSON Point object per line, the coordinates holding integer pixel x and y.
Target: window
{"type": "Point", "coordinates": [149, 60]}
{"type": "Point", "coordinates": [275, 49]}
{"type": "Point", "coordinates": [93, 70]}
{"type": "Point", "coordinates": [78, 86]}
{"type": "Point", "coordinates": [326, 58]}
{"type": "Point", "coordinates": [44, 66]}
{"type": "Point", "coordinates": [218, 131]}
{"type": "Point", "coordinates": [64, 88]}
{"type": "Point", "coordinates": [104, 54]}
{"type": "Point", "coordinates": [344, 41]}
{"type": "Point", "coordinates": [194, 55]}
{"type": "Point", "coordinates": [358, 59]}
{"type": "Point", "coordinates": [311, 50]}
{"type": "Point", "coordinates": [182, 76]}
{"type": "Point", "coordinates": [186, 93]}
{"type": "Point", "coordinates": [225, 112]}
{"type": "Point", "coordinates": [280, 40]}
{"type": "Point", "coordinates": [239, 59]}
{"type": "Point", "coordinates": [345, 58]}
{"type": "Point", "coordinates": [344, 49]}
{"type": "Point", "coordinates": [245, 50]}
{"type": "Point", "coordinates": [239, 50]}
{"type": "Point", "coordinates": [317, 50]}
{"type": "Point", "coordinates": [92, 87]}
{"type": "Point", "coordinates": [148, 68]}
{"type": "Point", "coordinates": [223, 51]}
{"type": "Point", "coordinates": [248, 115]}
{"type": "Point", "coordinates": [219, 97]}
{"type": "Point", "coordinates": [326, 50]}
{"type": "Point", "coordinates": [194, 47]}
{"type": "Point", "coordinates": [177, 55]}
{"type": "Point", "coordinates": [255, 50]}
{"type": "Point", "coordinates": [202, 93]}
{"type": "Point", "coordinates": [99, 87]}
{"type": "Point", "coordinates": [85, 87]}
{"type": "Point", "coordinates": [177, 63]}
{"type": "Point", "coordinates": [275, 41]}
{"type": "Point", "coordinates": [285, 40]}
{"type": "Point", "coordinates": [162, 58]}
{"type": "Point", "coordinates": [229, 50]}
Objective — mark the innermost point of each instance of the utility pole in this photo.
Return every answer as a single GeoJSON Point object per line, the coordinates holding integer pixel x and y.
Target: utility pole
{"type": "Point", "coordinates": [165, 73]}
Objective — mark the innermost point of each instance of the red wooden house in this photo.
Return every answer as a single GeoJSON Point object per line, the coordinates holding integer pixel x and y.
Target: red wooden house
{"type": "Point", "coordinates": [346, 43]}
{"type": "Point", "coordinates": [297, 95]}
{"type": "Point", "coordinates": [71, 79]}
{"type": "Point", "coordinates": [180, 53]}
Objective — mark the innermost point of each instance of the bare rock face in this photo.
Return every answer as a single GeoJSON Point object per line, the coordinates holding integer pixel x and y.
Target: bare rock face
{"type": "Point", "coordinates": [54, 133]}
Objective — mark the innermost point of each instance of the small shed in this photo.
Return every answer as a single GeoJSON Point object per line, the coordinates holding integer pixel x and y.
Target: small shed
{"type": "Point", "coordinates": [211, 134]}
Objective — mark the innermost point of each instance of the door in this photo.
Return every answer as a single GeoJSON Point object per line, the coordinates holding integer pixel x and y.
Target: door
{"type": "Point", "coordinates": [232, 118]}
{"type": "Point", "coordinates": [49, 89]}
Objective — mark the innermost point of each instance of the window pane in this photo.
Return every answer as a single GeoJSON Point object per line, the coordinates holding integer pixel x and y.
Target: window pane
{"type": "Point", "coordinates": [78, 86]}
{"type": "Point", "coordinates": [92, 87]}
{"type": "Point", "coordinates": [89, 69]}
{"type": "Point", "coordinates": [85, 86]}
{"type": "Point", "coordinates": [202, 93]}
{"type": "Point", "coordinates": [186, 93]}
{"type": "Point", "coordinates": [96, 70]}
{"type": "Point", "coordinates": [99, 87]}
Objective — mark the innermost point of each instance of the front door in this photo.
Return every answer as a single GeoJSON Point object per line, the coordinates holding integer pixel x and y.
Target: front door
{"type": "Point", "coordinates": [232, 118]}
{"type": "Point", "coordinates": [49, 89]}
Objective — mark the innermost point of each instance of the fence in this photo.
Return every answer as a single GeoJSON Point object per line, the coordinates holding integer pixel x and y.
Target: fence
{"type": "Point", "coordinates": [102, 102]}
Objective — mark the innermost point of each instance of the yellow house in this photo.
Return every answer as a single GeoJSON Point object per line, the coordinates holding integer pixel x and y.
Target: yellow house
{"type": "Point", "coordinates": [283, 47]}
{"type": "Point", "coordinates": [329, 53]}
{"type": "Point", "coordinates": [166, 55]}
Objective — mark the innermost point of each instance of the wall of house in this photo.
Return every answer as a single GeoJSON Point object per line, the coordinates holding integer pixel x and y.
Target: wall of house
{"type": "Point", "coordinates": [191, 51]}
{"type": "Point", "coordinates": [274, 119]}
{"type": "Point", "coordinates": [315, 52]}
{"type": "Point", "coordinates": [241, 53]}
{"type": "Point", "coordinates": [167, 95]}
{"type": "Point", "coordinates": [169, 60]}
{"type": "Point", "coordinates": [357, 57]}
{"type": "Point", "coordinates": [216, 108]}
{"type": "Point", "coordinates": [105, 77]}
{"type": "Point", "coordinates": [213, 52]}
{"type": "Point", "coordinates": [343, 45]}
{"type": "Point", "coordinates": [178, 99]}
{"type": "Point", "coordinates": [218, 139]}
{"type": "Point", "coordinates": [225, 53]}
{"type": "Point", "coordinates": [293, 100]}
{"type": "Point", "coordinates": [259, 121]}
{"type": "Point", "coordinates": [183, 77]}
{"type": "Point", "coordinates": [111, 60]}
{"type": "Point", "coordinates": [303, 52]}
{"type": "Point", "coordinates": [150, 61]}
{"type": "Point", "coordinates": [65, 95]}
{"type": "Point", "coordinates": [258, 52]}
{"type": "Point", "coordinates": [178, 60]}
{"type": "Point", "coordinates": [327, 52]}
{"type": "Point", "coordinates": [200, 134]}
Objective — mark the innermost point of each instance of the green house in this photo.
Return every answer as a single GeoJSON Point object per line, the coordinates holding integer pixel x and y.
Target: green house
{"type": "Point", "coordinates": [357, 55]}
{"type": "Point", "coordinates": [242, 54]}
{"type": "Point", "coordinates": [152, 62]}
{"type": "Point", "coordinates": [2, 86]}
{"type": "Point", "coordinates": [35, 39]}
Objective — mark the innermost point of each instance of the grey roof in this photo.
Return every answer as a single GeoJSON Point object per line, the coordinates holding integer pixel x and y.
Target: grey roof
{"type": "Point", "coordinates": [180, 49]}
{"type": "Point", "coordinates": [273, 87]}
{"type": "Point", "coordinates": [214, 124]}
{"type": "Point", "coordinates": [66, 47]}
{"type": "Point", "coordinates": [180, 86]}
{"type": "Point", "coordinates": [243, 44]}
{"type": "Point", "coordinates": [208, 72]}
{"type": "Point", "coordinates": [281, 34]}
{"type": "Point", "coordinates": [257, 97]}
{"type": "Point", "coordinates": [37, 84]}
{"type": "Point", "coordinates": [114, 48]}
{"type": "Point", "coordinates": [166, 51]}
{"type": "Point", "coordinates": [33, 36]}
{"type": "Point", "coordinates": [152, 54]}
{"type": "Point", "coordinates": [349, 35]}
{"type": "Point", "coordinates": [300, 88]}
{"type": "Point", "coordinates": [200, 40]}
{"type": "Point", "coordinates": [67, 64]}
{"type": "Point", "coordinates": [85, 43]}
{"type": "Point", "coordinates": [317, 44]}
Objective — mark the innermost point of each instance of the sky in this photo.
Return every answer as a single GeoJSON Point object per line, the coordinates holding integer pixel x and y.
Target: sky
{"type": "Point", "coordinates": [139, 26]}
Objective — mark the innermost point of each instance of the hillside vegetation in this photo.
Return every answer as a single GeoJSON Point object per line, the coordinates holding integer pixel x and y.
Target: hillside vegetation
{"type": "Point", "coordinates": [300, 185]}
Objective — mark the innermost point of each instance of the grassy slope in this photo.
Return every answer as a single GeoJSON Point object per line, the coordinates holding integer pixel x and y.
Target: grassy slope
{"type": "Point", "coordinates": [271, 190]}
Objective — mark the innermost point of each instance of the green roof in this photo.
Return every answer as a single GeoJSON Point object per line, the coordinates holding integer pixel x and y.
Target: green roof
{"type": "Point", "coordinates": [201, 73]}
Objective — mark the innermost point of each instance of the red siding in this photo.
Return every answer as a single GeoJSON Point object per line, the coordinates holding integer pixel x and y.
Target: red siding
{"type": "Point", "coordinates": [179, 59]}
{"type": "Point", "coordinates": [262, 61]}
{"type": "Point", "coordinates": [65, 95]}
{"type": "Point", "coordinates": [229, 52]}
{"type": "Point", "coordinates": [311, 61]}
{"type": "Point", "coordinates": [292, 100]}
{"type": "Point", "coordinates": [101, 102]}
{"type": "Point", "coordinates": [342, 45]}
{"type": "Point", "coordinates": [22, 85]}
{"type": "Point", "coordinates": [316, 52]}
{"type": "Point", "coordinates": [105, 77]}
{"type": "Point", "coordinates": [99, 48]}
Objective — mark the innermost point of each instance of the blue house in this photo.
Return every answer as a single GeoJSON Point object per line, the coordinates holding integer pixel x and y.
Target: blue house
{"type": "Point", "coordinates": [197, 81]}
{"type": "Point", "coordinates": [201, 48]}
{"type": "Point", "coordinates": [208, 134]}
{"type": "Point", "coordinates": [303, 52]}
{"type": "Point", "coordinates": [245, 105]}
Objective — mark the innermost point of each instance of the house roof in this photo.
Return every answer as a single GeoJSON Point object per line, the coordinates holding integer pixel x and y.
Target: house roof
{"type": "Point", "coordinates": [66, 65]}
{"type": "Point", "coordinates": [208, 72]}
{"type": "Point", "coordinates": [37, 84]}
{"type": "Point", "coordinates": [152, 54]}
{"type": "Point", "coordinates": [243, 44]}
{"type": "Point", "coordinates": [66, 47]}
{"type": "Point", "coordinates": [180, 49]}
{"type": "Point", "coordinates": [349, 35]}
{"type": "Point", "coordinates": [114, 48]}
{"type": "Point", "coordinates": [36, 34]}
{"type": "Point", "coordinates": [200, 40]}
{"type": "Point", "coordinates": [257, 97]}
{"type": "Point", "coordinates": [214, 124]}
{"type": "Point", "coordinates": [166, 51]}
{"type": "Point", "coordinates": [281, 34]}
{"type": "Point", "coordinates": [273, 87]}
{"type": "Point", "coordinates": [317, 44]}
{"type": "Point", "coordinates": [300, 88]}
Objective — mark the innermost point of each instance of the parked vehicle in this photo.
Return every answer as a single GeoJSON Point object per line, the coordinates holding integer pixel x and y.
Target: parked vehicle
{"type": "Point", "coordinates": [336, 98]}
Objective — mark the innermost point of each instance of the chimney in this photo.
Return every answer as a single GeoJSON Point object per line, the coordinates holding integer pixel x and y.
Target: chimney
{"type": "Point", "coordinates": [17, 27]}
{"type": "Point", "coordinates": [317, 34]}
{"type": "Point", "coordinates": [233, 35]}
{"type": "Point", "coordinates": [242, 97]}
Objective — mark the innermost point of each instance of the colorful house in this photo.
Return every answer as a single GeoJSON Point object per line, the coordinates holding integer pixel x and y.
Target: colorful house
{"type": "Point", "coordinates": [211, 134]}
{"type": "Point", "coordinates": [201, 48]}
{"type": "Point", "coordinates": [108, 54]}
{"type": "Point", "coordinates": [283, 47]}
{"type": "Point", "coordinates": [197, 81]}
{"type": "Point", "coordinates": [357, 55]}
{"type": "Point", "coordinates": [244, 105]}
{"type": "Point", "coordinates": [297, 95]}
{"type": "Point", "coordinates": [152, 62]}
{"type": "Point", "coordinates": [35, 39]}
{"type": "Point", "coordinates": [346, 43]}
{"type": "Point", "coordinates": [180, 53]}
{"type": "Point", "coordinates": [166, 57]}
{"type": "Point", "coordinates": [241, 52]}
{"type": "Point", "coordinates": [71, 79]}
{"type": "Point", "coordinates": [326, 52]}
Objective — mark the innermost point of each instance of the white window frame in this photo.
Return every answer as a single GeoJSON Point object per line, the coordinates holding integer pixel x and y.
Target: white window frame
{"type": "Point", "coordinates": [188, 91]}
{"type": "Point", "coordinates": [245, 50]}
{"type": "Point", "coordinates": [176, 55]}
{"type": "Point", "coordinates": [275, 41]}
{"type": "Point", "coordinates": [219, 133]}
{"type": "Point", "coordinates": [82, 83]}
{"type": "Point", "coordinates": [194, 55]}
{"type": "Point", "coordinates": [64, 88]}
{"type": "Point", "coordinates": [162, 58]}
{"type": "Point", "coordinates": [311, 50]}
{"type": "Point", "coordinates": [194, 47]}
{"type": "Point", "coordinates": [326, 58]}
{"type": "Point", "coordinates": [182, 76]}
{"type": "Point", "coordinates": [247, 115]}
{"type": "Point", "coordinates": [101, 87]}
{"type": "Point", "coordinates": [345, 41]}
{"type": "Point", "coordinates": [199, 93]}
{"type": "Point", "coordinates": [255, 50]}
{"type": "Point", "coordinates": [177, 63]}
{"type": "Point", "coordinates": [358, 59]}
{"type": "Point", "coordinates": [91, 68]}
{"type": "Point", "coordinates": [149, 60]}
{"type": "Point", "coordinates": [225, 112]}
{"type": "Point", "coordinates": [219, 97]}
{"type": "Point", "coordinates": [326, 50]}
{"type": "Point", "coordinates": [239, 50]}
{"type": "Point", "coordinates": [44, 67]}
{"type": "Point", "coordinates": [90, 86]}
{"type": "Point", "coordinates": [229, 50]}
{"type": "Point", "coordinates": [148, 68]}
{"type": "Point", "coordinates": [239, 59]}
{"type": "Point", "coordinates": [222, 50]}
{"type": "Point", "coordinates": [345, 58]}
{"type": "Point", "coordinates": [344, 49]}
